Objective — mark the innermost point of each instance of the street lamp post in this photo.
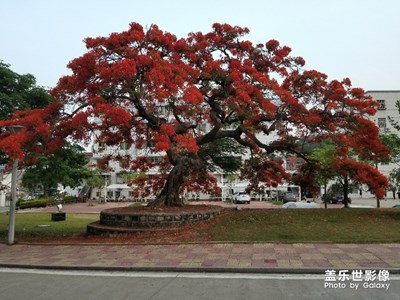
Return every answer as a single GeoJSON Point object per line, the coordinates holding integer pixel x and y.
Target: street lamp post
{"type": "Point", "coordinates": [11, 224]}
{"type": "Point", "coordinates": [2, 200]}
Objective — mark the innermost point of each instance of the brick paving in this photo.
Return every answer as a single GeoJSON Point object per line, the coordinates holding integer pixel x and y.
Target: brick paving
{"type": "Point", "coordinates": [259, 257]}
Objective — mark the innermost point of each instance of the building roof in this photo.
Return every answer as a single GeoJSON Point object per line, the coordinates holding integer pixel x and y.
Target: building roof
{"type": "Point", "coordinates": [117, 186]}
{"type": "Point", "coordinates": [383, 91]}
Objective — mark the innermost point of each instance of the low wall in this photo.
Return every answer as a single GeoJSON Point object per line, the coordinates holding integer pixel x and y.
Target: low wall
{"type": "Point", "coordinates": [130, 220]}
{"type": "Point", "coordinates": [143, 219]}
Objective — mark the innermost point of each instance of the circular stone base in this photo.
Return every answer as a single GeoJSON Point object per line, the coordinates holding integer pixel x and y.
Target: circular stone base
{"type": "Point", "coordinates": [131, 220]}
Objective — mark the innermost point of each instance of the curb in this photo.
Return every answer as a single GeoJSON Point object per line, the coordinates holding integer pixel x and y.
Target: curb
{"type": "Point", "coordinates": [173, 243]}
{"type": "Point", "coordinates": [246, 270]}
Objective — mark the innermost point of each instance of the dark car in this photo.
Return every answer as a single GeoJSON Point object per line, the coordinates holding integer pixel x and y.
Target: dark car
{"type": "Point", "coordinates": [335, 199]}
{"type": "Point", "coordinates": [289, 197]}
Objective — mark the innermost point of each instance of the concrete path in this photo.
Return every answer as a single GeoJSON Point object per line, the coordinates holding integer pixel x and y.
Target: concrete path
{"type": "Point", "coordinates": [95, 207]}
{"type": "Point", "coordinates": [231, 257]}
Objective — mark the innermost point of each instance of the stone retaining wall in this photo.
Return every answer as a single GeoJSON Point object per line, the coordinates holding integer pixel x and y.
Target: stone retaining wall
{"type": "Point", "coordinates": [146, 220]}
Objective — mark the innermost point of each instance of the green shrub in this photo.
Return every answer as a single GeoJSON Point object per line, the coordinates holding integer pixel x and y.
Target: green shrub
{"type": "Point", "coordinates": [136, 204]}
{"type": "Point", "coordinates": [66, 199]}
{"type": "Point", "coordinates": [43, 202]}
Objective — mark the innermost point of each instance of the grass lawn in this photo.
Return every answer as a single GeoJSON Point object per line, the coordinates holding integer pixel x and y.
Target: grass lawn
{"type": "Point", "coordinates": [301, 225]}
{"type": "Point", "coordinates": [269, 225]}
{"type": "Point", "coordinates": [30, 226]}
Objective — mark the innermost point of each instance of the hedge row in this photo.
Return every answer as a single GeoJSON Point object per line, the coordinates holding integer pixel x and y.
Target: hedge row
{"type": "Point", "coordinates": [21, 204]}
{"type": "Point", "coordinates": [43, 202]}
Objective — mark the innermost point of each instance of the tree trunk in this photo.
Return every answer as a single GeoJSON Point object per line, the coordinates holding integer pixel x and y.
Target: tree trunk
{"type": "Point", "coordinates": [346, 191]}
{"type": "Point", "coordinates": [46, 191]}
{"type": "Point", "coordinates": [169, 195]}
{"type": "Point", "coordinates": [378, 203]}
{"type": "Point", "coordinates": [325, 196]}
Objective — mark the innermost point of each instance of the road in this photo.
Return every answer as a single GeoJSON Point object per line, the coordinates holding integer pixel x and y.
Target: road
{"type": "Point", "coordinates": [46, 284]}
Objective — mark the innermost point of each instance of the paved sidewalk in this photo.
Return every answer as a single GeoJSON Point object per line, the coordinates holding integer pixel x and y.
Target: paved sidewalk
{"type": "Point", "coordinates": [216, 257]}
{"type": "Point", "coordinates": [83, 207]}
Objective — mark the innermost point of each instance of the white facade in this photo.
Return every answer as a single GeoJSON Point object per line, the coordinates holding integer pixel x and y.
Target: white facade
{"type": "Point", "coordinates": [387, 110]}
{"type": "Point", "coordinates": [115, 187]}
{"type": "Point", "coordinates": [5, 182]}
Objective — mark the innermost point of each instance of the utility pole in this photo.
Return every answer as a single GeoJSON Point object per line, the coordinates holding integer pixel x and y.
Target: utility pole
{"type": "Point", "coordinates": [11, 224]}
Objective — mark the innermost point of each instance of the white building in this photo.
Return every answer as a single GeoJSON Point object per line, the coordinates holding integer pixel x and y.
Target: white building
{"type": "Point", "coordinates": [116, 188]}
{"type": "Point", "coordinates": [387, 111]}
{"type": "Point", "coordinates": [5, 186]}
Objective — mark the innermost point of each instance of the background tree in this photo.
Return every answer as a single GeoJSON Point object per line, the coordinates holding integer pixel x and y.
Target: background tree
{"type": "Point", "coordinates": [66, 166]}
{"type": "Point", "coordinates": [324, 156]}
{"type": "Point", "coordinates": [174, 97]}
{"type": "Point", "coordinates": [94, 179]}
{"type": "Point", "coordinates": [392, 121]}
{"type": "Point", "coordinates": [392, 141]}
{"type": "Point", "coordinates": [18, 92]}
{"type": "Point", "coordinates": [348, 173]}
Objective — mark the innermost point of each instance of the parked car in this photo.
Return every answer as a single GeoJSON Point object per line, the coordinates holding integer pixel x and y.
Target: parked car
{"type": "Point", "coordinates": [396, 206]}
{"type": "Point", "coordinates": [241, 197]}
{"type": "Point", "coordinates": [289, 197]}
{"type": "Point", "coordinates": [360, 206]}
{"type": "Point", "coordinates": [300, 205]}
{"type": "Point", "coordinates": [28, 197]}
{"type": "Point", "coordinates": [335, 199]}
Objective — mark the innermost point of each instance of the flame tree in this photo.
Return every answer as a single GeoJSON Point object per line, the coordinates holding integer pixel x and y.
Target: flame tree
{"type": "Point", "coordinates": [182, 96]}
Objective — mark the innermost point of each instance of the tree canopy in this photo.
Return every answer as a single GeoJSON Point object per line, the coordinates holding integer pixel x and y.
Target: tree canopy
{"type": "Point", "coordinates": [19, 92]}
{"type": "Point", "coordinates": [66, 166]}
{"type": "Point", "coordinates": [392, 141]}
{"type": "Point", "coordinates": [176, 96]}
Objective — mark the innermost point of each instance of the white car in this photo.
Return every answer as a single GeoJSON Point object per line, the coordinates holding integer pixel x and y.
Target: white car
{"type": "Point", "coordinates": [241, 197]}
{"type": "Point", "coordinates": [360, 206]}
{"type": "Point", "coordinates": [300, 205]}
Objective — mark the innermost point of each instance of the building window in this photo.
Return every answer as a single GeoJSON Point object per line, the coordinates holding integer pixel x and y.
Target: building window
{"type": "Point", "coordinates": [382, 105]}
{"type": "Point", "coordinates": [120, 179]}
{"type": "Point", "coordinates": [163, 110]}
{"type": "Point", "coordinates": [382, 123]}
{"type": "Point", "coordinates": [123, 146]}
{"type": "Point", "coordinates": [156, 160]}
{"type": "Point", "coordinates": [102, 147]}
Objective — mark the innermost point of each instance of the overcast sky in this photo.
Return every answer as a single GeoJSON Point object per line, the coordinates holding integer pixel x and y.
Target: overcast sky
{"type": "Point", "coordinates": [359, 39]}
